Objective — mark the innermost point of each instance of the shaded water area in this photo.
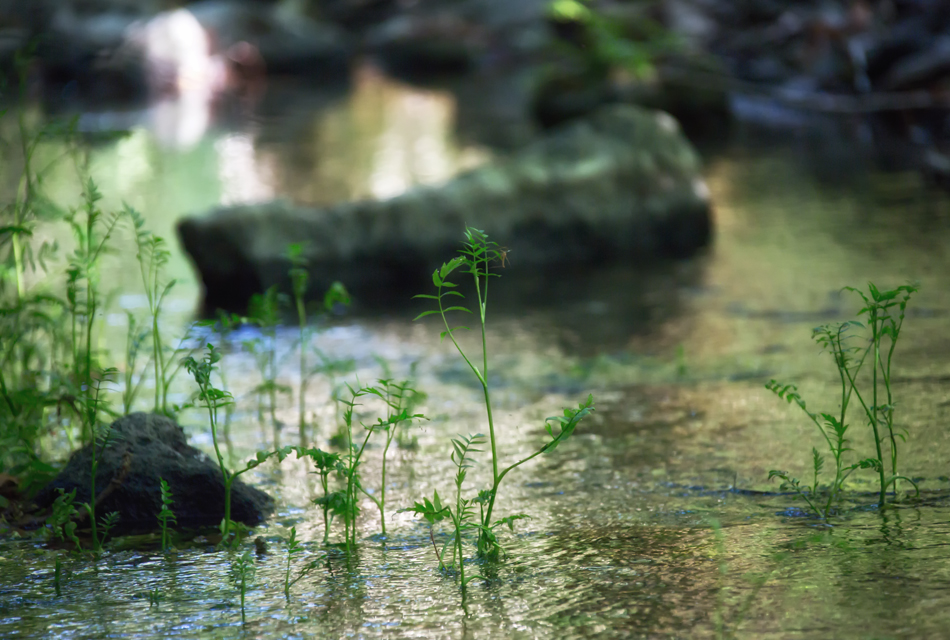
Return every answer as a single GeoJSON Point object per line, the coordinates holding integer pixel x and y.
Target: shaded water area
{"type": "Point", "coordinates": [621, 541]}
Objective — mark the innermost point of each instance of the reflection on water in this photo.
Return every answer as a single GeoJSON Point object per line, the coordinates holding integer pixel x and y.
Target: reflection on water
{"type": "Point", "coordinates": [383, 138]}
{"type": "Point", "coordinates": [380, 139]}
{"type": "Point", "coordinates": [244, 179]}
{"type": "Point", "coordinates": [619, 543]}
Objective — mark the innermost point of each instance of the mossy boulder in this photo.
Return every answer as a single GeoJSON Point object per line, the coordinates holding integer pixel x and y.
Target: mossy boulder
{"type": "Point", "coordinates": [621, 185]}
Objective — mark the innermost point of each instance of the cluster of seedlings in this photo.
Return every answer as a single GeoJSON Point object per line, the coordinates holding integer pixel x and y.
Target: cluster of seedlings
{"type": "Point", "coordinates": [55, 382]}
{"type": "Point", "coordinates": [863, 354]}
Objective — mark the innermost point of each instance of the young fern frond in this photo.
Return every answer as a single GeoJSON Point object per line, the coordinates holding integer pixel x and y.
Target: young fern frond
{"type": "Point", "coordinates": [884, 312]}
{"type": "Point", "coordinates": [476, 259]}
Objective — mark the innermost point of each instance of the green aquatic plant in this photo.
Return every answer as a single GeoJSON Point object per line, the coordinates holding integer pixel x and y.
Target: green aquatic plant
{"type": "Point", "coordinates": [476, 258]}
{"type": "Point", "coordinates": [152, 256]}
{"type": "Point", "coordinates": [58, 576]}
{"type": "Point", "coordinates": [93, 229]}
{"type": "Point", "coordinates": [299, 280]}
{"type": "Point", "coordinates": [884, 313]}
{"type": "Point", "coordinates": [294, 549]}
{"type": "Point", "coordinates": [332, 503]}
{"type": "Point", "coordinates": [31, 205]}
{"type": "Point", "coordinates": [264, 311]}
{"type": "Point", "coordinates": [463, 514]}
{"type": "Point", "coordinates": [166, 516]}
{"type": "Point", "coordinates": [103, 436]}
{"type": "Point", "coordinates": [400, 398]}
{"type": "Point", "coordinates": [35, 353]}
{"type": "Point", "coordinates": [350, 463]}
{"type": "Point", "coordinates": [212, 399]}
{"type": "Point", "coordinates": [336, 294]}
{"type": "Point", "coordinates": [608, 42]}
{"type": "Point", "coordinates": [106, 524]}
{"type": "Point", "coordinates": [347, 504]}
{"type": "Point", "coordinates": [242, 573]}
{"type": "Point", "coordinates": [134, 340]}
{"type": "Point", "coordinates": [27, 393]}
{"type": "Point", "coordinates": [224, 324]}
{"type": "Point", "coordinates": [61, 522]}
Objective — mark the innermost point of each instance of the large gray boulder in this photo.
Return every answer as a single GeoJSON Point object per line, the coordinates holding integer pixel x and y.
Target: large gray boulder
{"type": "Point", "coordinates": [144, 448]}
{"type": "Point", "coordinates": [623, 184]}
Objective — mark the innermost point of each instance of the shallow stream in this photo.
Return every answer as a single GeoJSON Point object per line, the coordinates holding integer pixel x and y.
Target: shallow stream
{"type": "Point", "coordinates": [622, 539]}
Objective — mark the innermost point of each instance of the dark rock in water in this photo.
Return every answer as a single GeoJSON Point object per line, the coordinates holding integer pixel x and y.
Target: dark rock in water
{"type": "Point", "coordinates": [147, 447]}
{"type": "Point", "coordinates": [568, 94]}
{"type": "Point", "coordinates": [131, 52]}
{"type": "Point", "coordinates": [702, 108]}
{"type": "Point", "coordinates": [920, 69]}
{"type": "Point", "coordinates": [289, 43]}
{"type": "Point", "coordinates": [356, 15]}
{"type": "Point", "coordinates": [418, 48]}
{"type": "Point", "coordinates": [81, 57]}
{"type": "Point", "coordinates": [622, 185]}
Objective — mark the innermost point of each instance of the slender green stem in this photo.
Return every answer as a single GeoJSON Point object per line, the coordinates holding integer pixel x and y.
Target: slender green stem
{"type": "Point", "coordinates": [456, 519]}
{"type": "Point", "coordinates": [822, 514]}
{"type": "Point", "coordinates": [451, 334]}
{"type": "Point", "coordinates": [302, 424]}
{"type": "Point", "coordinates": [287, 579]}
{"type": "Point", "coordinates": [870, 411]}
{"type": "Point", "coordinates": [876, 339]}
{"type": "Point", "coordinates": [494, 490]}
{"type": "Point", "coordinates": [18, 267]}
{"type": "Point", "coordinates": [14, 410]}
{"type": "Point", "coordinates": [381, 501]}
{"type": "Point", "coordinates": [91, 505]}
{"type": "Point", "coordinates": [157, 357]}
{"type": "Point", "coordinates": [25, 205]}
{"type": "Point", "coordinates": [353, 483]}
{"type": "Point", "coordinates": [88, 371]}
{"type": "Point", "coordinates": [228, 478]}
{"type": "Point", "coordinates": [74, 329]}
{"type": "Point", "coordinates": [243, 591]}
{"type": "Point", "coordinates": [838, 450]}
{"type": "Point", "coordinates": [350, 519]}
{"type": "Point", "coordinates": [382, 488]}
{"type": "Point", "coordinates": [886, 375]}
{"type": "Point", "coordinates": [325, 482]}
{"type": "Point", "coordinates": [482, 307]}
{"type": "Point", "coordinates": [379, 506]}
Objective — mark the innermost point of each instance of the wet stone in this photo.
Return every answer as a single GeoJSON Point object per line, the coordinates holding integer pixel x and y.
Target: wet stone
{"type": "Point", "coordinates": [623, 185]}
{"type": "Point", "coordinates": [143, 448]}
